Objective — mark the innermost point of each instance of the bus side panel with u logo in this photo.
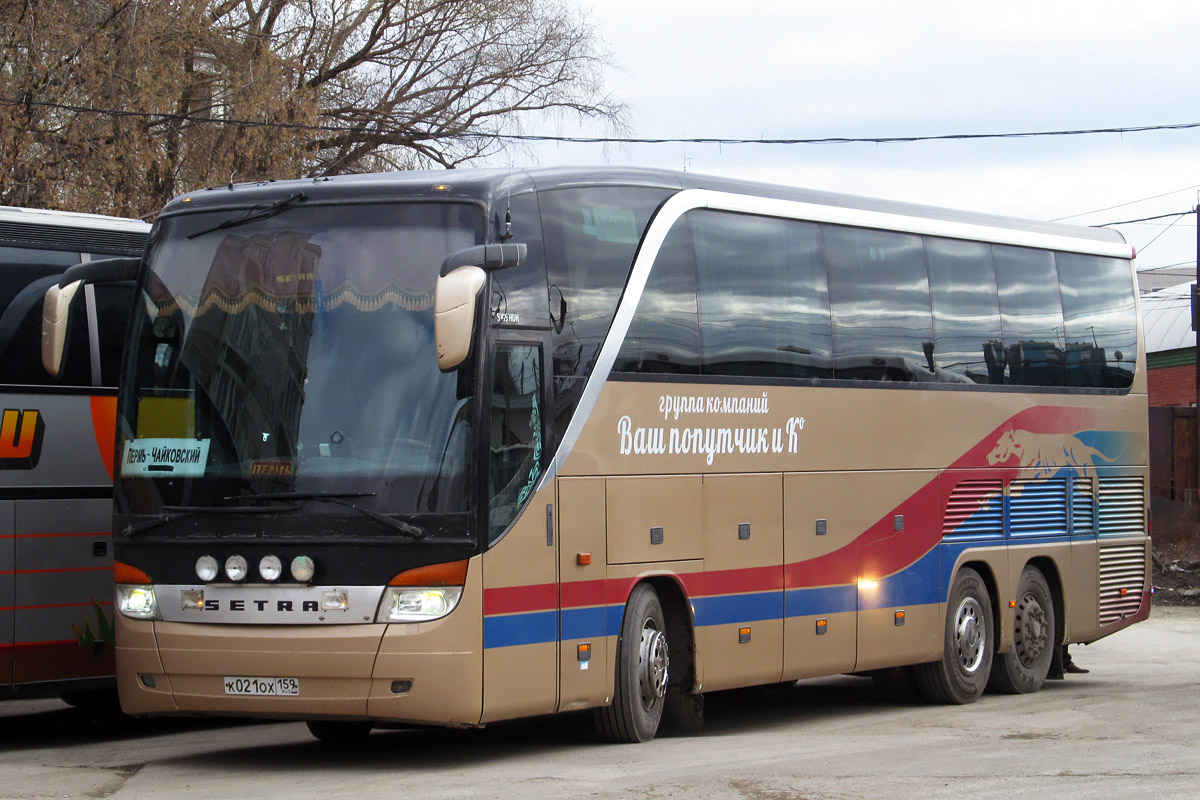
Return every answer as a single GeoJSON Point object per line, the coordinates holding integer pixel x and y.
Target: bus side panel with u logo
{"type": "Point", "coordinates": [56, 457]}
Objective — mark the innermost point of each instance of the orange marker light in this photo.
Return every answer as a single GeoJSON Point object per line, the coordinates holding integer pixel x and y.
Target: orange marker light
{"type": "Point", "coordinates": [822, 626]}
{"type": "Point", "coordinates": [899, 618]}
{"type": "Point", "coordinates": [453, 573]}
{"type": "Point", "coordinates": [124, 573]}
{"type": "Point", "coordinates": [743, 635]}
{"type": "Point", "coordinates": [1012, 603]}
{"type": "Point", "coordinates": [583, 652]}
{"type": "Point", "coordinates": [583, 559]}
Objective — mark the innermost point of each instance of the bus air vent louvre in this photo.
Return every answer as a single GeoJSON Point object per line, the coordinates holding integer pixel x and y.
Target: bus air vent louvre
{"type": "Point", "coordinates": [1122, 580]}
{"type": "Point", "coordinates": [1122, 506]}
{"type": "Point", "coordinates": [86, 240]}
{"type": "Point", "coordinates": [1083, 506]}
{"type": "Point", "coordinates": [1037, 507]}
{"type": "Point", "coordinates": [975, 509]}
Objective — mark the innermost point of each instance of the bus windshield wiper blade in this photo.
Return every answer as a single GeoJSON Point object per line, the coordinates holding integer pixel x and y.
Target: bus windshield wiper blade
{"type": "Point", "coordinates": [253, 215]}
{"type": "Point", "coordinates": [172, 513]}
{"type": "Point", "coordinates": [340, 499]}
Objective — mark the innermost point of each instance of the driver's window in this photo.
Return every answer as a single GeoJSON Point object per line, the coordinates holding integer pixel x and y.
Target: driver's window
{"type": "Point", "coordinates": [515, 440]}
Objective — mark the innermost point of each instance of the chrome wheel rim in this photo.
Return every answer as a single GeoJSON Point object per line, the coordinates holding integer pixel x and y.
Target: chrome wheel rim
{"type": "Point", "coordinates": [653, 663]}
{"type": "Point", "coordinates": [1032, 630]}
{"type": "Point", "coordinates": [970, 637]}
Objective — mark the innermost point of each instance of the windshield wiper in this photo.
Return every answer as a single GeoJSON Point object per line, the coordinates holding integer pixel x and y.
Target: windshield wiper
{"type": "Point", "coordinates": [252, 215]}
{"type": "Point", "coordinates": [340, 499]}
{"type": "Point", "coordinates": [172, 513]}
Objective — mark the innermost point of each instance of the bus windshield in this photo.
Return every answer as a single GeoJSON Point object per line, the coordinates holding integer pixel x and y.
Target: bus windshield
{"type": "Point", "coordinates": [293, 354]}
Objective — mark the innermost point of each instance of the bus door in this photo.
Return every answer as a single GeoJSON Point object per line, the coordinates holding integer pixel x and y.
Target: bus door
{"type": "Point", "coordinates": [520, 567]}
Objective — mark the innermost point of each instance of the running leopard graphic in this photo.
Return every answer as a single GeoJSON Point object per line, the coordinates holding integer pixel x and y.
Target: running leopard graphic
{"type": "Point", "coordinates": [1046, 453]}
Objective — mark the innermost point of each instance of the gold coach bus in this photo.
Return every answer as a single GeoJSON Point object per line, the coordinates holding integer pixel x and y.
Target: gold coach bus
{"type": "Point", "coordinates": [459, 447]}
{"type": "Point", "coordinates": [56, 451]}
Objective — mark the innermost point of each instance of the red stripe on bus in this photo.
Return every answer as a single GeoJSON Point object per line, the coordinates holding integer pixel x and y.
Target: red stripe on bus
{"type": "Point", "coordinates": [56, 605]}
{"type": "Point", "coordinates": [513, 599]}
{"type": "Point", "coordinates": [63, 569]}
{"type": "Point", "coordinates": [53, 535]}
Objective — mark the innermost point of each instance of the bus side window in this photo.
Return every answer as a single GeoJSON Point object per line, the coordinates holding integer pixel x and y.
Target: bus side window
{"type": "Point", "coordinates": [515, 438]}
{"type": "Point", "coordinates": [114, 304]}
{"type": "Point", "coordinates": [21, 320]}
{"type": "Point", "coordinates": [1100, 319]}
{"type": "Point", "coordinates": [1030, 316]}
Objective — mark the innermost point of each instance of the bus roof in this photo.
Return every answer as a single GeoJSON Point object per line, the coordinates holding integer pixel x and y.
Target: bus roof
{"type": "Point", "coordinates": [490, 186]}
{"type": "Point", "coordinates": [71, 219]}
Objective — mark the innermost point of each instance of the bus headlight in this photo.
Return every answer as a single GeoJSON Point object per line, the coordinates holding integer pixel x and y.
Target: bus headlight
{"type": "Point", "coordinates": [137, 602]}
{"type": "Point", "coordinates": [417, 603]}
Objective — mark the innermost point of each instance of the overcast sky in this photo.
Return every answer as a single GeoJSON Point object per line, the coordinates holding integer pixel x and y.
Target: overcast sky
{"type": "Point", "coordinates": [802, 69]}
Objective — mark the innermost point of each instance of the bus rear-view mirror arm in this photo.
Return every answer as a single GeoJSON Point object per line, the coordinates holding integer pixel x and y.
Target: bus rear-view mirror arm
{"type": "Point", "coordinates": [56, 308]}
{"type": "Point", "coordinates": [487, 257]}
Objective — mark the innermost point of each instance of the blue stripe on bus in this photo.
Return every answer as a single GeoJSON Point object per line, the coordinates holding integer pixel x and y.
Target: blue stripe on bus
{"type": "Point", "coordinates": [511, 630]}
{"type": "Point", "coordinates": [730, 608]}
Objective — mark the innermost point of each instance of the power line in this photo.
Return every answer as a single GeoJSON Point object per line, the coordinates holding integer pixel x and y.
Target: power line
{"type": "Point", "coordinates": [167, 117]}
{"type": "Point", "coordinates": [1179, 214]}
{"type": "Point", "coordinates": [1122, 205]}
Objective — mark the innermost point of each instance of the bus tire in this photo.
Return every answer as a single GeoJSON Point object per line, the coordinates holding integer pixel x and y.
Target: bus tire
{"type": "Point", "coordinates": [339, 731]}
{"type": "Point", "coordinates": [1023, 669]}
{"type": "Point", "coordinates": [961, 674]}
{"type": "Point", "coordinates": [642, 672]}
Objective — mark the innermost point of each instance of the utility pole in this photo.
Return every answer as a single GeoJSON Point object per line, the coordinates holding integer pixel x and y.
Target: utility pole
{"type": "Point", "coordinates": [1195, 313]}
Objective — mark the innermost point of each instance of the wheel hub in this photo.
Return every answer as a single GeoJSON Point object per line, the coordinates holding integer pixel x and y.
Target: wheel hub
{"type": "Point", "coordinates": [970, 637]}
{"type": "Point", "coordinates": [653, 663]}
{"type": "Point", "coordinates": [1031, 631]}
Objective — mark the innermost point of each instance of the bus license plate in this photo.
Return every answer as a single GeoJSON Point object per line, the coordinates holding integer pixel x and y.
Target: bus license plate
{"type": "Point", "coordinates": [273, 687]}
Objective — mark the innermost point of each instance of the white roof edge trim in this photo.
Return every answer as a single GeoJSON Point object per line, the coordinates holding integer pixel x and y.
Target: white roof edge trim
{"type": "Point", "coordinates": [72, 219]}
{"type": "Point", "coordinates": [690, 199]}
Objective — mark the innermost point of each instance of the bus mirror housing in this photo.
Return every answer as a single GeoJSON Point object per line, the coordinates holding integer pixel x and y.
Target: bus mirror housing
{"type": "Point", "coordinates": [454, 311]}
{"type": "Point", "coordinates": [56, 308]}
{"type": "Point", "coordinates": [56, 318]}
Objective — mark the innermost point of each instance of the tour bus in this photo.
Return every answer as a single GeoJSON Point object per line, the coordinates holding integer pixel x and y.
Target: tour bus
{"type": "Point", "coordinates": [56, 453]}
{"type": "Point", "coordinates": [458, 447]}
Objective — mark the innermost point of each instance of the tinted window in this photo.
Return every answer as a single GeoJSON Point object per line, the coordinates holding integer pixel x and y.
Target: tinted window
{"type": "Point", "coordinates": [879, 293]}
{"type": "Point", "coordinates": [591, 236]}
{"type": "Point", "coordinates": [1030, 316]}
{"type": "Point", "coordinates": [966, 311]}
{"type": "Point", "coordinates": [22, 288]}
{"type": "Point", "coordinates": [763, 300]}
{"type": "Point", "coordinates": [664, 337]}
{"type": "Point", "coordinates": [1100, 319]}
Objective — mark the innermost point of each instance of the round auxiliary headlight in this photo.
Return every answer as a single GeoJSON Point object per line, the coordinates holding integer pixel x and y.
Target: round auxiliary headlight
{"type": "Point", "coordinates": [270, 568]}
{"type": "Point", "coordinates": [235, 568]}
{"type": "Point", "coordinates": [206, 568]}
{"type": "Point", "coordinates": [303, 569]}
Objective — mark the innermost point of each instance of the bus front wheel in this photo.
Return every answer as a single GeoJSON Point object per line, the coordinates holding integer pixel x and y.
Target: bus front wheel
{"type": "Point", "coordinates": [1023, 669]}
{"type": "Point", "coordinates": [962, 673]}
{"type": "Point", "coordinates": [642, 672]}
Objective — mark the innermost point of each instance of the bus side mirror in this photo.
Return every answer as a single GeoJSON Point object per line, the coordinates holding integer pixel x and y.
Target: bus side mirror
{"type": "Point", "coordinates": [56, 318]}
{"type": "Point", "coordinates": [454, 310]}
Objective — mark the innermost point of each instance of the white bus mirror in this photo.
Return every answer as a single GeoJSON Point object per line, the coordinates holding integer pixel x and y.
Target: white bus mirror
{"type": "Point", "coordinates": [56, 322]}
{"type": "Point", "coordinates": [454, 307]}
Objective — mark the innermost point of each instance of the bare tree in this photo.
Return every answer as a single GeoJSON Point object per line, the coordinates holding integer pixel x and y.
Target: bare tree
{"type": "Point", "coordinates": [118, 105]}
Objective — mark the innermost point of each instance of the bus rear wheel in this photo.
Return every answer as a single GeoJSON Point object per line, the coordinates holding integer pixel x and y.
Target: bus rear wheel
{"type": "Point", "coordinates": [642, 664]}
{"type": "Point", "coordinates": [962, 673]}
{"type": "Point", "coordinates": [1023, 669]}
{"type": "Point", "coordinates": [339, 731]}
